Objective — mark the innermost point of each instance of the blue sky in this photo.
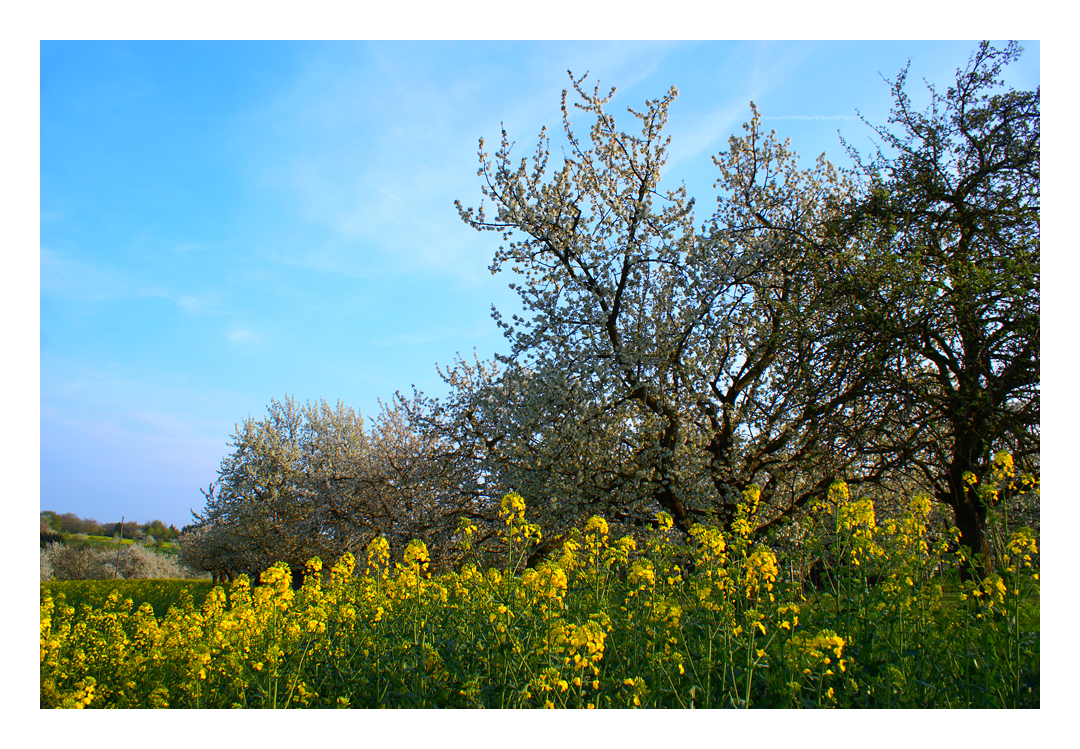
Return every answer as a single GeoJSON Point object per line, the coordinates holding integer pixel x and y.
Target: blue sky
{"type": "Point", "coordinates": [227, 223]}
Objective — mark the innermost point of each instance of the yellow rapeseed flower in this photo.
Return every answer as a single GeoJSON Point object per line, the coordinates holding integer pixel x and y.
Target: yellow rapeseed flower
{"type": "Point", "coordinates": [512, 507]}
{"type": "Point", "coordinates": [597, 524]}
{"type": "Point", "coordinates": [1003, 465]}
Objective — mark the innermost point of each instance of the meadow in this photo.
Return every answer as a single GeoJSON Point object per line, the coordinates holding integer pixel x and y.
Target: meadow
{"type": "Point", "coordinates": [105, 542]}
{"type": "Point", "coordinates": [605, 622]}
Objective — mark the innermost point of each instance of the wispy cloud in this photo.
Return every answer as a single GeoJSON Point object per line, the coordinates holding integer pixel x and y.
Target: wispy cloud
{"type": "Point", "coordinates": [707, 133]}
{"type": "Point", "coordinates": [470, 330]}
{"type": "Point", "coordinates": [352, 117]}
{"type": "Point", "coordinates": [65, 277]}
{"type": "Point", "coordinates": [68, 278]}
{"type": "Point", "coordinates": [812, 117]}
{"type": "Point", "coordinates": [198, 303]}
{"type": "Point", "coordinates": [433, 335]}
{"type": "Point", "coordinates": [407, 339]}
{"type": "Point", "coordinates": [165, 403]}
{"type": "Point", "coordinates": [245, 336]}
{"type": "Point", "coordinates": [114, 446]}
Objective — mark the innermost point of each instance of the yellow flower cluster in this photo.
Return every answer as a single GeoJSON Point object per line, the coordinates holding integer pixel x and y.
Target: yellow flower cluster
{"type": "Point", "coordinates": [709, 545]}
{"type": "Point", "coordinates": [417, 556]}
{"type": "Point", "coordinates": [761, 571]}
{"type": "Point", "coordinates": [1022, 546]}
{"type": "Point", "coordinates": [989, 591]}
{"type": "Point", "coordinates": [581, 646]}
{"type": "Point", "coordinates": [1001, 477]}
{"type": "Point", "coordinates": [598, 526]}
{"type": "Point", "coordinates": [543, 587]}
{"type": "Point", "coordinates": [742, 526]}
{"type": "Point", "coordinates": [519, 534]}
{"type": "Point", "coordinates": [378, 556]}
{"type": "Point", "coordinates": [642, 575]}
{"type": "Point", "coordinates": [1003, 467]}
{"type": "Point", "coordinates": [241, 644]}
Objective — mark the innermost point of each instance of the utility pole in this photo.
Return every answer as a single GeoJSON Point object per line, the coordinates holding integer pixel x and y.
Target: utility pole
{"type": "Point", "coordinates": [119, 540]}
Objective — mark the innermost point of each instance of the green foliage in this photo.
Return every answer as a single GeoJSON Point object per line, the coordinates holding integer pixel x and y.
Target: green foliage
{"type": "Point", "coordinates": [70, 524]}
{"type": "Point", "coordinates": [50, 520]}
{"type": "Point", "coordinates": [105, 542]}
{"type": "Point", "coordinates": [947, 274]}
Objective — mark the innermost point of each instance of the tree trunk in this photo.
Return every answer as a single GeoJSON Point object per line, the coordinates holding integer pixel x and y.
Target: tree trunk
{"type": "Point", "coordinates": [971, 520]}
{"type": "Point", "coordinates": [968, 508]}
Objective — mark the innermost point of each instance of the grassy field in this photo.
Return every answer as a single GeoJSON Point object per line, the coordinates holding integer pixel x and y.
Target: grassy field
{"type": "Point", "coordinates": [105, 542]}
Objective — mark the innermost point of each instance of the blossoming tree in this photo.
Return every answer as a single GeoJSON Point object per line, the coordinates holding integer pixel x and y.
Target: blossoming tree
{"type": "Point", "coordinates": [311, 480]}
{"type": "Point", "coordinates": [665, 365]}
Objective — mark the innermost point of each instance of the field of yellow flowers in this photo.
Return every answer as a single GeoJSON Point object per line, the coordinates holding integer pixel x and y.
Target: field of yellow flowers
{"type": "Point", "coordinates": [605, 624]}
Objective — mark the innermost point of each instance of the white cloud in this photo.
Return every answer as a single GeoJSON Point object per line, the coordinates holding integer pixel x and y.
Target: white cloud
{"type": "Point", "coordinates": [73, 279]}
{"type": "Point", "coordinates": [434, 335]}
{"type": "Point", "coordinates": [244, 336]}
{"type": "Point", "coordinates": [68, 278]}
{"type": "Point", "coordinates": [812, 117]}
{"type": "Point", "coordinates": [197, 303]}
{"type": "Point", "coordinates": [407, 339]}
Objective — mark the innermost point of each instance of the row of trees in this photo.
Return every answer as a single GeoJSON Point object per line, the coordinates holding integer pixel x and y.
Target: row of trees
{"type": "Point", "coordinates": [879, 324]}
{"type": "Point", "coordinates": [70, 523]}
{"type": "Point", "coordinates": [315, 480]}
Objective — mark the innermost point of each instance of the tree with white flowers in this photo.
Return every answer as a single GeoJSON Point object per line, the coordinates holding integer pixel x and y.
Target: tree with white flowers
{"type": "Point", "coordinates": [662, 364]}
{"type": "Point", "coordinates": [313, 480]}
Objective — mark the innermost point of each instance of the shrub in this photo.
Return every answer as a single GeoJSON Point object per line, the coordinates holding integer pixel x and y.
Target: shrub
{"type": "Point", "coordinates": [46, 565]}
{"type": "Point", "coordinates": [140, 563]}
{"type": "Point", "coordinates": [76, 563]}
{"type": "Point", "coordinates": [135, 562]}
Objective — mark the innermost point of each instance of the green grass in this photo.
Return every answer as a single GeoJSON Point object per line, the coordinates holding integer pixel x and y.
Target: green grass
{"type": "Point", "coordinates": [105, 542]}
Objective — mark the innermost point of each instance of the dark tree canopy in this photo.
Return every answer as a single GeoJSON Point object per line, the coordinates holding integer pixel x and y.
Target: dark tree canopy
{"type": "Point", "coordinates": [947, 231]}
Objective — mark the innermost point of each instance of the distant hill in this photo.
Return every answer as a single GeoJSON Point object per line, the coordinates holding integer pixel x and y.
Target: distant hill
{"type": "Point", "coordinates": [70, 524]}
